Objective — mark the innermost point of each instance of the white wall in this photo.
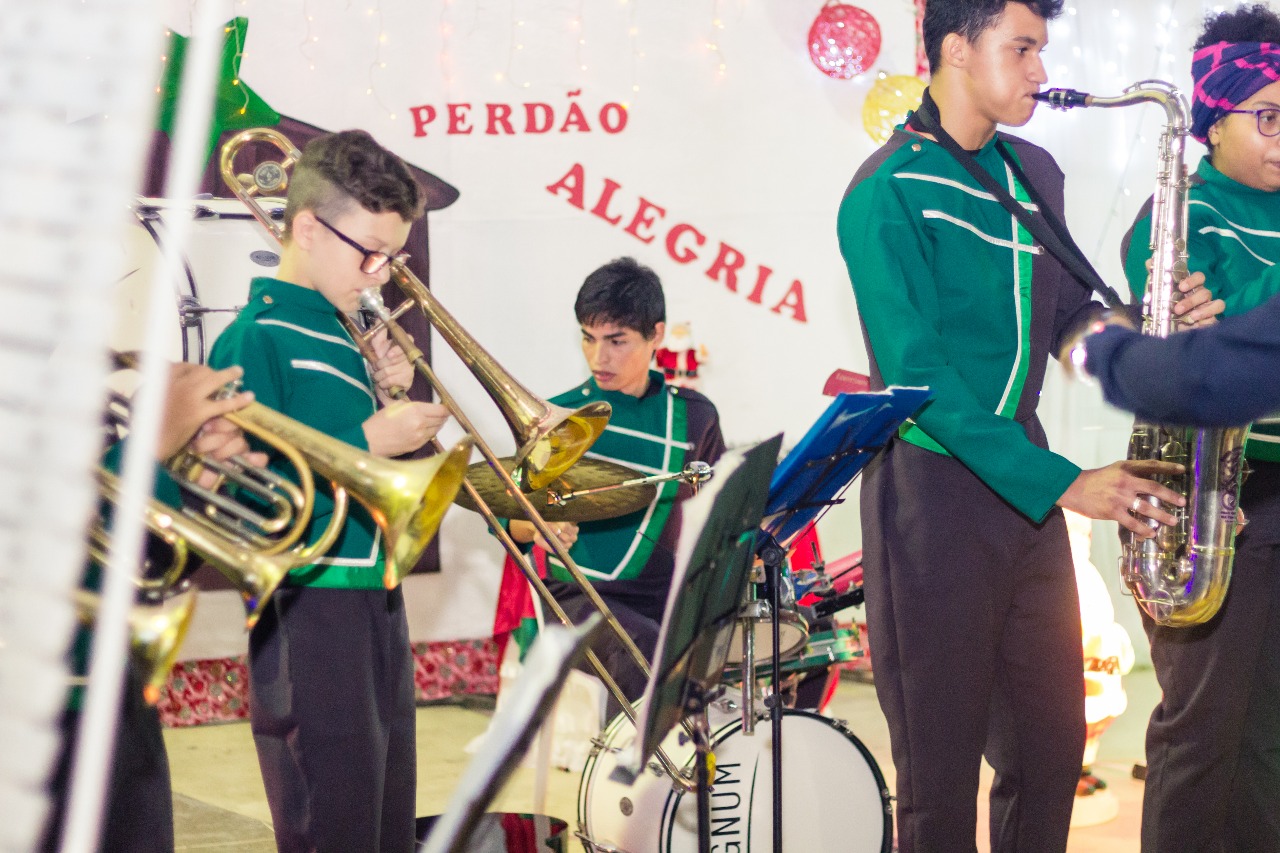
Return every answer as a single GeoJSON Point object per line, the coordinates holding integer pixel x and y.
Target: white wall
{"type": "Point", "coordinates": [755, 154]}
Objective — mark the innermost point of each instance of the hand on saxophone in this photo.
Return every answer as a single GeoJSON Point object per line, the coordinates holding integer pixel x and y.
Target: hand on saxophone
{"type": "Point", "coordinates": [1197, 308]}
{"type": "Point", "coordinates": [1118, 493]}
{"type": "Point", "coordinates": [403, 427]}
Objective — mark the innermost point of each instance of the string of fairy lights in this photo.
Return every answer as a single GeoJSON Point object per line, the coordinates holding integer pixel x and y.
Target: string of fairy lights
{"type": "Point", "coordinates": [1104, 47]}
{"type": "Point", "coordinates": [518, 49]}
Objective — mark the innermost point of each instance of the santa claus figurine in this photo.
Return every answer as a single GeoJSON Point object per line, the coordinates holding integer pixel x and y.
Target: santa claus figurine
{"type": "Point", "coordinates": [679, 356]}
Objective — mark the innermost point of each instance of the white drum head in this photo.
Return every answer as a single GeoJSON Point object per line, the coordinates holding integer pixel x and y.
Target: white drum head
{"type": "Point", "coordinates": [210, 283]}
{"type": "Point", "coordinates": [833, 796]}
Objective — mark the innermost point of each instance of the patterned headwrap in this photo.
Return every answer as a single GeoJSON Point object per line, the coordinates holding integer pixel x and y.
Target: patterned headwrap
{"type": "Point", "coordinates": [1228, 74]}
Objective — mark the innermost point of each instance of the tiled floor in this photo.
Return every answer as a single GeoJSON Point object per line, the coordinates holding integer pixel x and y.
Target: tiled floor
{"type": "Point", "coordinates": [220, 806]}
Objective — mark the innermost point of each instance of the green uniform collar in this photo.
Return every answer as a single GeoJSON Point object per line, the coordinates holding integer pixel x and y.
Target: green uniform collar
{"type": "Point", "coordinates": [266, 291]}
{"type": "Point", "coordinates": [1209, 173]}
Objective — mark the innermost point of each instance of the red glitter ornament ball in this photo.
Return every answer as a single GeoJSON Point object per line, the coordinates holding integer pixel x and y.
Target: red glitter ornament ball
{"type": "Point", "coordinates": [844, 40]}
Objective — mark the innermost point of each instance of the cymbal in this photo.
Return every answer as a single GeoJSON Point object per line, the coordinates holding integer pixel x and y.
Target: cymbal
{"type": "Point", "coordinates": [585, 474]}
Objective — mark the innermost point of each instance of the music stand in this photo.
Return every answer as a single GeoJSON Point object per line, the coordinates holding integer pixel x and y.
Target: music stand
{"type": "Point", "coordinates": [712, 567]}
{"type": "Point", "coordinates": [808, 482]}
{"type": "Point", "coordinates": [546, 667]}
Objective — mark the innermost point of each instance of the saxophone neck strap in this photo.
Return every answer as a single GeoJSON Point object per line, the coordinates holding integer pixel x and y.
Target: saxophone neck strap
{"type": "Point", "coordinates": [1046, 227]}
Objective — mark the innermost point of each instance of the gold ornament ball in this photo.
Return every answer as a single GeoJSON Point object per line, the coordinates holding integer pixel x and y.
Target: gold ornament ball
{"type": "Point", "coordinates": [890, 99]}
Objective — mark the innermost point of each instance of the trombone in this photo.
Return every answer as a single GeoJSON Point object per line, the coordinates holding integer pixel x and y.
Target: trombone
{"type": "Point", "coordinates": [549, 439]}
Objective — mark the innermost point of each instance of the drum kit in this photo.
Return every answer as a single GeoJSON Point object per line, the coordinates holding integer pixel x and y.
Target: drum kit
{"type": "Point", "coordinates": [831, 789]}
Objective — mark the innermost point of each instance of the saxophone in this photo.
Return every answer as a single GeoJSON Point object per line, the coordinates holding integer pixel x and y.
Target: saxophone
{"type": "Point", "coordinates": [1179, 577]}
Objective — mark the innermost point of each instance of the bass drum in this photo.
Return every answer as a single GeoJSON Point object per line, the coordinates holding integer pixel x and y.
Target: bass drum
{"type": "Point", "coordinates": [210, 282]}
{"type": "Point", "coordinates": [833, 795]}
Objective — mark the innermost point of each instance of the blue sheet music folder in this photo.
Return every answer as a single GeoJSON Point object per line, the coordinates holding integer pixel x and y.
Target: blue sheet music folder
{"type": "Point", "coordinates": [836, 448]}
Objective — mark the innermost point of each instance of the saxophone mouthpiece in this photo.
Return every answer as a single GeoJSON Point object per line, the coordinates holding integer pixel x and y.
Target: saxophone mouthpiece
{"type": "Point", "coordinates": [1063, 99]}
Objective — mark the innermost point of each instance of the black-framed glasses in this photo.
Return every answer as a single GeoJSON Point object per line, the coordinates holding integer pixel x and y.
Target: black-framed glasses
{"type": "Point", "coordinates": [1268, 119]}
{"type": "Point", "coordinates": [373, 261]}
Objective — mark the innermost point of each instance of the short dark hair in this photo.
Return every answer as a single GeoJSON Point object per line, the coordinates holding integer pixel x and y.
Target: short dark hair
{"type": "Point", "coordinates": [970, 19]}
{"type": "Point", "coordinates": [339, 169]}
{"type": "Point", "coordinates": [1244, 23]}
{"type": "Point", "coordinates": [623, 292]}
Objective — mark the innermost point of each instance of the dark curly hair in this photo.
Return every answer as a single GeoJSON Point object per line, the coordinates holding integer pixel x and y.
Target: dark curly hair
{"type": "Point", "coordinates": [338, 170]}
{"type": "Point", "coordinates": [1244, 23]}
{"type": "Point", "coordinates": [971, 18]}
{"type": "Point", "coordinates": [624, 292]}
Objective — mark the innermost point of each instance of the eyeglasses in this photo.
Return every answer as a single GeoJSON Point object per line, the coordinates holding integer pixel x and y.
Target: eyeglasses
{"type": "Point", "coordinates": [373, 261]}
{"type": "Point", "coordinates": [1268, 119]}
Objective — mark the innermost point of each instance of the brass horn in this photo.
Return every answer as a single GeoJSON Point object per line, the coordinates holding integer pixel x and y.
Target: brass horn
{"type": "Point", "coordinates": [549, 439]}
{"type": "Point", "coordinates": [264, 510]}
{"type": "Point", "coordinates": [156, 632]}
{"type": "Point", "coordinates": [406, 499]}
{"type": "Point", "coordinates": [254, 575]}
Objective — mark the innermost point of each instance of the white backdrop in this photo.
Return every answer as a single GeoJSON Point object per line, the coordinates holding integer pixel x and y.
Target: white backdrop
{"type": "Point", "coordinates": [730, 130]}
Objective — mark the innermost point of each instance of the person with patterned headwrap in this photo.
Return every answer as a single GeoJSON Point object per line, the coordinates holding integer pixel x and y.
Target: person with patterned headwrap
{"type": "Point", "coordinates": [1213, 742]}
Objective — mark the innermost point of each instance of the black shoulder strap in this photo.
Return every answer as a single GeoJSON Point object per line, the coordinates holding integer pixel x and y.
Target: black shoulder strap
{"type": "Point", "coordinates": [1046, 228]}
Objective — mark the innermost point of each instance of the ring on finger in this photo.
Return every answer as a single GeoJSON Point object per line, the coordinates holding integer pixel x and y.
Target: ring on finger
{"type": "Point", "coordinates": [1137, 504]}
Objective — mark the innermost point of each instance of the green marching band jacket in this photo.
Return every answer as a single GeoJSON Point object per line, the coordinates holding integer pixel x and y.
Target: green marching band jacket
{"type": "Point", "coordinates": [943, 277]}
{"type": "Point", "coordinates": [1228, 241]}
{"type": "Point", "coordinates": [299, 360]}
{"type": "Point", "coordinates": [630, 558]}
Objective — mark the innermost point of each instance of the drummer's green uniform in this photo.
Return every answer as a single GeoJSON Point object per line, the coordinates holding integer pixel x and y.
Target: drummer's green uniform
{"type": "Point", "coordinates": [630, 559]}
{"type": "Point", "coordinates": [330, 665]}
{"type": "Point", "coordinates": [972, 610]}
{"type": "Point", "coordinates": [1218, 719]}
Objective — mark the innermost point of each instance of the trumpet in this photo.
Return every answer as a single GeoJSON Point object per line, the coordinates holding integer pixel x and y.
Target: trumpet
{"type": "Point", "coordinates": [549, 440]}
{"type": "Point", "coordinates": [156, 632]}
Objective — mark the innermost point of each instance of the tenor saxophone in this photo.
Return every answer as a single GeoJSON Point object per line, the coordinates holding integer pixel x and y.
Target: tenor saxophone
{"type": "Point", "coordinates": [1181, 575]}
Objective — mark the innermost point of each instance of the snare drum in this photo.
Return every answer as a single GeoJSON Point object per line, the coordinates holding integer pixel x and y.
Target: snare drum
{"type": "Point", "coordinates": [823, 649]}
{"type": "Point", "coordinates": [793, 630]}
{"type": "Point", "coordinates": [225, 249]}
{"type": "Point", "coordinates": [833, 795]}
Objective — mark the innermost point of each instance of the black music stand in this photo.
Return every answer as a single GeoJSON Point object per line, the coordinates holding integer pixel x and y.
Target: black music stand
{"type": "Point", "coordinates": [546, 667]}
{"type": "Point", "coordinates": [712, 568]}
{"type": "Point", "coordinates": [808, 482]}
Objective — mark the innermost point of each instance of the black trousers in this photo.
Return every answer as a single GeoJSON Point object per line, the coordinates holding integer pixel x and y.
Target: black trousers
{"type": "Point", "coordinates": [613, 655]}
{"type": "Point", "coordinates": [332, 711]}
{"type": "Point", "coordinates": [1213, 743]}
{"type": "Point", "coordinates": [974, 622]}
{"type": "Point", "coordinates": [138, 813]}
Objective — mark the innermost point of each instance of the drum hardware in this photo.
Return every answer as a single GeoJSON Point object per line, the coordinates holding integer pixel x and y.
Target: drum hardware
{"type": "Point", "coordinates": [588, 472]}
{"type": "Point", "coordinates": [190, 311]}
{"type": "Point", "coordinates": [836, 603]}
{"type": "Point", "coordinates": [771, 556]}
{"type": "Point", "coordinates": [594, 847]}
